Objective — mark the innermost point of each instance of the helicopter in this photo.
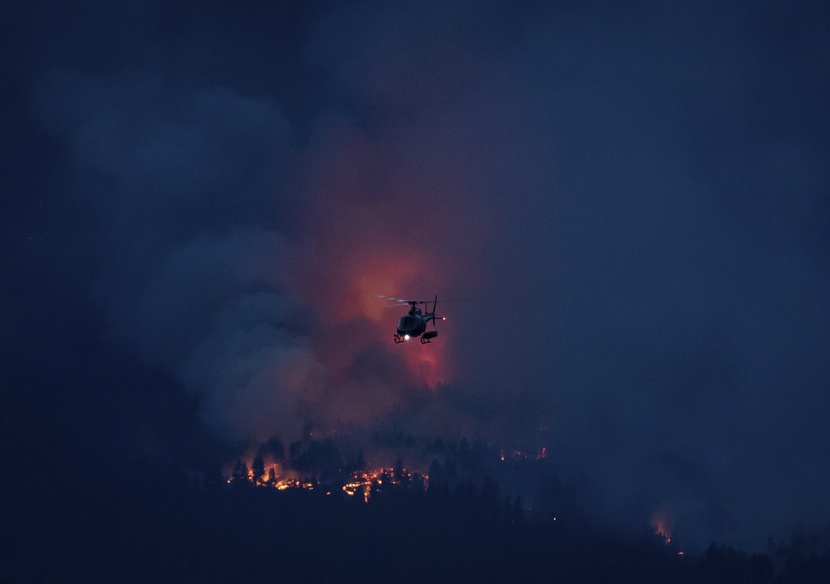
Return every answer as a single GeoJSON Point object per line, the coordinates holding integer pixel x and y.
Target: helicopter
{"type": "Point", "coordinates": [414, 323]}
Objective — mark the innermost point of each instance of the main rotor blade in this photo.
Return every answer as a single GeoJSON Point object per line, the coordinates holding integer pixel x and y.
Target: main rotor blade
{"type": "Point", "coordinates": [426, 302]}
{"type": "Point", "coordinates": [401, 300]}
{"type": "Point", "coordinates": [391, 298]}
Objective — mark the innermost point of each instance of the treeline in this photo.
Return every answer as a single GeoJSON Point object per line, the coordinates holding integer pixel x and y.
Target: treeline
{"type": "Point", "coordinates": [470, 531]}
{"type": "Point", "coordinates": [150, 523]}
{"type": "Point", "coordinates": [167, 530]}
{"type": "Point", "coordinates": [318, 461]}
{"type": "Point", "coordinates": [451, 466]}
{"type": "Point", "coordinates": [459, 528]}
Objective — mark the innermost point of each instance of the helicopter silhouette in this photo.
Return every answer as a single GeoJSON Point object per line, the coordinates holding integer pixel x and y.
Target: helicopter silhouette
{"type": "Point", "coordinates": [414, 323]}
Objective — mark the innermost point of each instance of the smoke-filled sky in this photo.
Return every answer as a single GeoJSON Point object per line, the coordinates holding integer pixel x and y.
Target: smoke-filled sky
{"type": "Point", "coordinates": [628, 207]}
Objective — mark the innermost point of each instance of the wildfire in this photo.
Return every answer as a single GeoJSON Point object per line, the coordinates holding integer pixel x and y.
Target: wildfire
{"type": "Point", "coordinates": [360, 481]}
{"type": "Point", "coordinates": [661, 522]}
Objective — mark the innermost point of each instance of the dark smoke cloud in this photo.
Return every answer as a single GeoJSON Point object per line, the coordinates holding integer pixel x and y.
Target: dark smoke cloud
{"type": "Point", "coordinates": [633, 199]}
{"type": "Point", "coordinates": [651, 270]}
{"type": "Point", "coordinates": [192, 273]}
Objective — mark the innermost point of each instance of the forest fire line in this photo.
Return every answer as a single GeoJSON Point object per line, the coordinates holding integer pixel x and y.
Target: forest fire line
{"type": "Point", "coordinates": [661, 523]}
{"type": "Point", "coordinates": [312, 468]}
{"type": "Point", "coordinates": [363, 482]}
{"type": "Point", "coordinates": [345, 482]}
{"type": "Point", "coordinates": [272, 474]}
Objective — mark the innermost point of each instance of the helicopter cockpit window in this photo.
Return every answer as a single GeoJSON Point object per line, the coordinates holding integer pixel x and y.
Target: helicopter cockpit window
{"type": "Point", "coordinates": [407, 323]}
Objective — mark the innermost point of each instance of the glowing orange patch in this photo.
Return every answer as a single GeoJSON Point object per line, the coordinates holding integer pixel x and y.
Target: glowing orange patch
{"type": "Point", "coordinates": [661, 522]}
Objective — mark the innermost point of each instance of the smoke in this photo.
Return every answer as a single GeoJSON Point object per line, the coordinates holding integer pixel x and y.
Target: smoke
{"type": "Point", "coordinates": [634, 216]}
{"type": "Point", "coordinates": [190, 190]}
{"type": "Point", "coordinates": [191, 269]}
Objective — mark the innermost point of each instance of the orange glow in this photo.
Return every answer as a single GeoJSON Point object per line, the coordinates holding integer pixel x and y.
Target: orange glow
{"type": "Point", "coordinates": [359, 481]}
{"type": "Point", "coordinates": [661, 522]}
{"type": "Point", "coordinates": [427, 362]}
{"type": "Point", "coordinates": [377, 220]}
{"type": "Point", "coordinates": [354, 318]}
{"type": "Point", "coordinates": [365, 241]}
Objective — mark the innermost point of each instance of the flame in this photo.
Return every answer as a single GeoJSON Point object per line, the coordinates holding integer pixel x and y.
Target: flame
{"type": "Point", "coordinates": [360, 481]}
{"type": "Point", "coordinates": [662, 522]}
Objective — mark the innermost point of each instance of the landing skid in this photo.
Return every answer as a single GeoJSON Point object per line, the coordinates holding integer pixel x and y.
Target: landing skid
{"type": "Point", "coordinates": [425, 338]}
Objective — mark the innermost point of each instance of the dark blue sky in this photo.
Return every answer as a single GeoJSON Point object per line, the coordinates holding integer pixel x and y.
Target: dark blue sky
{"type": "Point", "coordinates": [635, 199]}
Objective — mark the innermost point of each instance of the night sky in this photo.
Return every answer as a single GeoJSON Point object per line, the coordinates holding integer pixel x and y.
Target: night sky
{"type": "Point", "coordinates": [627, 205]}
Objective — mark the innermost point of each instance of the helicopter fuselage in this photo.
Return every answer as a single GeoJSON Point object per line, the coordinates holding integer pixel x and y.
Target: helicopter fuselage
{"type": "Point", "coordinates": [414, 324]}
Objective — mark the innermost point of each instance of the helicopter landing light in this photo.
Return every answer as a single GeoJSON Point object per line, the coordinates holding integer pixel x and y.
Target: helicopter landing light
{"type": "Point", "coordinates": [406, 337]}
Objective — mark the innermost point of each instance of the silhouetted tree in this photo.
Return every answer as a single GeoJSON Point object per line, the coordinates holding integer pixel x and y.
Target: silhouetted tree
{"type": "Point", "coordinates": [397, 472]}
{"type": "Point", "coordinates": [436, 472]}
{"type": "Point", "coordinates": [450, 470]}
{"type": "Point", "coordinates": [506, 510]}
{"type": "Point", "coordinates": [416, 484]}
{"type": "Point", "coordinates": [727, 565]}
{"type": "Point", "coordinates": [258, 468]}
{"type": "Point", "coordinates": [354, 464]}
{"type": "Point", "coordinates": [804, 559]}
{"type": "Point", "coordinates": [464, 458]}
{"type": "Point", "coordinates": [490, 498]}
{"type": "Point", "coordinates": [239, 476]}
